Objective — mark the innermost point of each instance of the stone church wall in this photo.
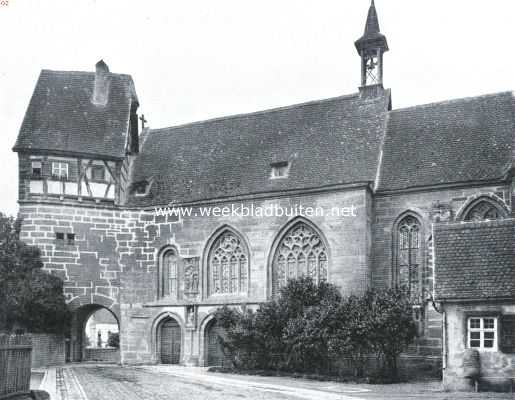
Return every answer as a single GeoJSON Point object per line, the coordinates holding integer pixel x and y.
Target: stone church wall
{"type": "Point", "coordinates": [348, 240]}
{"type": "Point", "coordinates": [113, 260]}
{"type": "Point", "coordinates": [430, 206]}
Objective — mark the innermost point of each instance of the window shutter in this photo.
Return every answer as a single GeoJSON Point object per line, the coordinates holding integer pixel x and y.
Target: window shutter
{"type": "Point", "coordinates": [507, 334]}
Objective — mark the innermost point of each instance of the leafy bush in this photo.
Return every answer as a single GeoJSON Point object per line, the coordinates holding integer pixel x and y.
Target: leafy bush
{"type": "Point", "coordinates": [32, 300]}
{"type": "Point", "coordinates": [392, 327]}
{"type": "Point", "coordinates": [310, 326]}
{"type": "Point", "coordinates": [113, 339]}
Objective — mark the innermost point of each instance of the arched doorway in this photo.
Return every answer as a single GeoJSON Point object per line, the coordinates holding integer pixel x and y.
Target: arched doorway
{"type": "Point", "coordinates": [169, 341]}
{"type": "Point", "coordinates": [94, 335]}
{"type": "Point", "coordinates": [213, 345]}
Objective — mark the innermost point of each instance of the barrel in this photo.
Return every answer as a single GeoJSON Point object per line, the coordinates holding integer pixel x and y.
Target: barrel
{"type": "Point", "coordinates": [471, 364]}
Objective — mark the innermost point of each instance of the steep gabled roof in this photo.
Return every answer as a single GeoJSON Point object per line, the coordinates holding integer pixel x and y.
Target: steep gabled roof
{"type": "Point", "coordinates": [61, 117]}
{"type": "Point", "coordinates": [455, 141]}
{"type": "Point", "coordinates": [328, 142]}
{"type": "Point", "coordinates": [475, 260]}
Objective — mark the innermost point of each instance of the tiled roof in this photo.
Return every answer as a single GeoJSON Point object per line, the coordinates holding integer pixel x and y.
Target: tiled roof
{"type": "Point", "coordinates": [328, 142]}
{"type": "Point", "coordinates": [61, 116]}
{"type": "Point", "coordinates": [475, 260]}
{"type": "Point", "coordinates": [455, 141]}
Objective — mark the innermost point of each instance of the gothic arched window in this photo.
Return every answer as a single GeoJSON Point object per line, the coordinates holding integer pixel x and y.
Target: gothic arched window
{"type": "Point", "coordinates": [228, 264]}
{"type": "Point", "coordinates": [301, 251]}
{"type": "Point", "coordinates": [169, 274]}
{"type": "Point", "coordinates": [484, 210]}
{"type": "Point", "coordinates": [409, 254]}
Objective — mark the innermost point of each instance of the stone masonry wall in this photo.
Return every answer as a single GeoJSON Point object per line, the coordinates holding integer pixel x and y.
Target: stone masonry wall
{"type": "Point", "coordinates": [347, 238]}
{"type": "Point", "coordinates": [89, 266]}
{"type": "Point", "coordinates": [430, 206]}
{"type": "Point", "coordinates": [113, 259]}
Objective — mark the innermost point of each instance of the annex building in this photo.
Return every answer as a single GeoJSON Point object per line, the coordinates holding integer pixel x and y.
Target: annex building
{"type": "Point", "coordinates": [432, 187]}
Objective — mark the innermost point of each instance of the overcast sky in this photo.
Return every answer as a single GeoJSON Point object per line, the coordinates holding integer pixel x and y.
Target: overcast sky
{"type": "Point", "coordinates": [193, 60]}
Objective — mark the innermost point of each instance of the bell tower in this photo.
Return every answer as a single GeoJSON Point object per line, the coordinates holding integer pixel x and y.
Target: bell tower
{"type": "Point", "coordinates": [371, 47]}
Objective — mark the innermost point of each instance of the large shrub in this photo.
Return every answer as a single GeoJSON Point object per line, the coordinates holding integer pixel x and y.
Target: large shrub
{"type": "Point", "coordinates": [310, 326]}
{"type": "Point", "coordinates": [290, 333]}
{"type": "Point", "coordinates": [352, 338]}
{"type": "Point", "coordinates": [32, 300]}
{"type": "Point", "coordinates": [391, 326]}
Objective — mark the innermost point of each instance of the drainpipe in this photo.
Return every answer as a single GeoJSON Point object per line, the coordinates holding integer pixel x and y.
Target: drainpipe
{"type": "Point", "coordinates": [444, 341]}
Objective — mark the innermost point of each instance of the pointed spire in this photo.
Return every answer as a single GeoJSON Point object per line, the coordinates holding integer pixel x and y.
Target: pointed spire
{"type": "Point", "coordinates": [372, 37]}
{"type": "Point", "coordinates": [372, 25]}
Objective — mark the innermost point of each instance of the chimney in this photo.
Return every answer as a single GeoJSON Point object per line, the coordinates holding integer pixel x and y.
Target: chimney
{"type": "Point", "coordinates": [102, 83]}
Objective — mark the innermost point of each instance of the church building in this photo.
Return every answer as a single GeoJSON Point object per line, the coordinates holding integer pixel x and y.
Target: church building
{"type": "Point", "coordinates": [426, 194]}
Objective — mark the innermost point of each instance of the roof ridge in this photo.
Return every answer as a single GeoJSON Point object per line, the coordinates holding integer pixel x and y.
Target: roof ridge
{"type": "Point", "coordinates": [456, 100]}
{"type": "Point", "coordinates": [476, 224]}
{"type": "Point", "coordinates": [81, 73]}
{"type": "Point", "coordinates": [265, 111]}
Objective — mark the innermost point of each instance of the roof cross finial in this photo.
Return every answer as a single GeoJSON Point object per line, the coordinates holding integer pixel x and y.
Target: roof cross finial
{"type": "Point", "coordinates": [143, 121]}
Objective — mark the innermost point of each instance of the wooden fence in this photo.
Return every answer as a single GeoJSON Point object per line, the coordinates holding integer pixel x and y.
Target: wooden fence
{"type": "Point", "coordinates": [15, 363]}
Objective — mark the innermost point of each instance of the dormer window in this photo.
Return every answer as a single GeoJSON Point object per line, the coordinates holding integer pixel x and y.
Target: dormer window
{"type": "Point", "coordinates": [59, 170]}
{"type": "Point", "coordinates": [280, 170]}
{"type": "Point", "coordinates": [36, 169]}
{"type": "Point", "coordinates": [141, 188]}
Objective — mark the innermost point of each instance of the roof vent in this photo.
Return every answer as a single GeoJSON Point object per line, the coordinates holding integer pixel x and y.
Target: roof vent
{"type": "Point", "coordinates": [102, 83]}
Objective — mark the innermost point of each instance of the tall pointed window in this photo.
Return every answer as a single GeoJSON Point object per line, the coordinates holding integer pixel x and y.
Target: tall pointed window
{"type": "Point", "coordinates": [169, 274]}
{"type": "Point", "coordinates": [228, 263]}
{"type": "Point", "coordinates": [301, 251]}
{"type": "Point", "coordinates": [409, 254]}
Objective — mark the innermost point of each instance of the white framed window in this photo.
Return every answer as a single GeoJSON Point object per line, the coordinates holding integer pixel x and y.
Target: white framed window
{"type": "Point", "coordinates": [482, 333]}
{"type": "Point", "coordinates": [59, 170]}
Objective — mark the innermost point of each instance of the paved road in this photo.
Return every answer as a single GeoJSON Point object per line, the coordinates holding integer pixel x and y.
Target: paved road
{"type": "Point", "coordinates": [115, 383]}
{"type": "Point", "coordinates": [89, 382]}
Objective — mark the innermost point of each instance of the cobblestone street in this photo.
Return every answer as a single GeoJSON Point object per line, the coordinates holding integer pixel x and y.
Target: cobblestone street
{"type": "Point", "coordinates": [109, 382]}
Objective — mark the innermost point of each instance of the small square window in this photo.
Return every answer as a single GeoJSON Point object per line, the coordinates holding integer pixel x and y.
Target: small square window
{"type": "Point", "coordinates": [70, 238]}
{"type": "Point", "coordinates": [59, 236]}
{"type": "Point", "coordinates": [97, 173]}
{"type": "Point", "coordinates": [36, 169]}
{"type": "Point", "coordinates": [59, 170]}
{"type": "Point", "coordinates": [280, 170]}
{"type": "Point", "coordinates": [482, 333]}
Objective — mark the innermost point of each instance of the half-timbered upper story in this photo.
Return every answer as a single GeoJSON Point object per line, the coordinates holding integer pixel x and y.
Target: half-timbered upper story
{"type": "Point", "coordinates": [77, 138]}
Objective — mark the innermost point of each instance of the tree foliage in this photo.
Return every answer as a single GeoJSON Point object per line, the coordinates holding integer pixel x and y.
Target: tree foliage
{"type": "Point", "coordinates": [309, 327]}
{"type": "Point", "coordinates": [113, 339]}
{"type": "Point", "coordinates": [32, 300]}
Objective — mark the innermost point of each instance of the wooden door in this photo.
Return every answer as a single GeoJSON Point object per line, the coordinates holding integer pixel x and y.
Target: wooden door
{"type": "Point", "coordinates": [170, 342]}
{"type": "Point", "coordinates": [215, 354]}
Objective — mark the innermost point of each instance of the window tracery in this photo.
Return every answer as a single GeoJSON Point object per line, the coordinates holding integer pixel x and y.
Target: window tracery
{"type": "Point", "coordinates": [300, 252]}
{"type": "Point", "coordinates": [228, 265]}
